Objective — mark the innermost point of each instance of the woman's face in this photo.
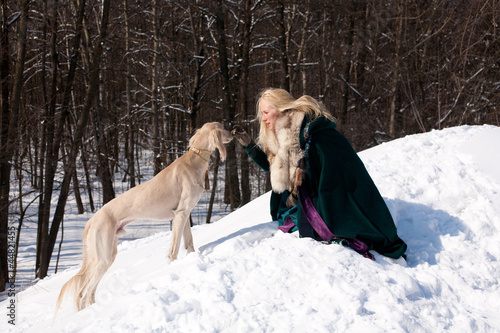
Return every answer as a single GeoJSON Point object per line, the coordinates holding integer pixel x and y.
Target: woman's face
{"type": "Point", "coordinates": [269, 114]}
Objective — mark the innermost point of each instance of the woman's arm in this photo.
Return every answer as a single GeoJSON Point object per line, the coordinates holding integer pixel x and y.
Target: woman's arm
{"type": "Point", "coordinates": [257, 155]}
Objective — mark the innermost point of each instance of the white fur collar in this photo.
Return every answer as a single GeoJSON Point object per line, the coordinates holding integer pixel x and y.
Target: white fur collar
{"type": "Point", "coordinates": [283, 150]}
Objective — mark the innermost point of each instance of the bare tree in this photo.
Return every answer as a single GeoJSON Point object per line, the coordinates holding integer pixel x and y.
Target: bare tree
{"type": "Point", "coordinates": [51, 139]}
{"type": "Point", "coordinates": [282, 44]}
{"type": "Point", "coordinates": [228, 105]}
{"type": "Point", "coordinates": [78, 135]}
{"type": "Point", "coordinates": [395, 68]}
{"type": "Point", "coordinates": [154, 90]}
{"type": "Point", "coordinates": [51, 147]}
{"type": "Point", "coordinates": [243, 67]}
{"type": "Point", "coordinates": [129, 125]}
{"type": "Point", "coordinates": [10, 121]}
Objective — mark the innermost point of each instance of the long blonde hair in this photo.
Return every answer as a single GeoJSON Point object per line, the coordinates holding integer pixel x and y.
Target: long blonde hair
{"type": "Point", "coordinates": [283, 101]}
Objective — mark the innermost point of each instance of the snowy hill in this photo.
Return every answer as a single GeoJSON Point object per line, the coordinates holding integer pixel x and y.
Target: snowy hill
{"type": "Point", "coordinates": [443, 189]}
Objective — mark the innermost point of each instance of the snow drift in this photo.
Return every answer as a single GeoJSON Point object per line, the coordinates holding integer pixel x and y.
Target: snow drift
{"type": "Point", "coordinates": [442, 188]}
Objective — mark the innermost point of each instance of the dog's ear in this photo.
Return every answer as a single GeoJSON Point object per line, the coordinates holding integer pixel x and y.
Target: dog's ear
{"type": "Point", "coordinates": [194, 137]}
{"type": "Point", "coordinates": [215, 141]}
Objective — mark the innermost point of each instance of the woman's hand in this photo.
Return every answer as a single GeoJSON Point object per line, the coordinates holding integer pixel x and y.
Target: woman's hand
{"type": "Point", "coordinates": [241, 135]}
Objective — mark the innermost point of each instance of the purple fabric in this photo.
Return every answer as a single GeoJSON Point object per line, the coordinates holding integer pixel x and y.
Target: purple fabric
{"type": "Point", "coordinates": [287, 226]}
{"type": "Point", "coordinates": [321, 228]}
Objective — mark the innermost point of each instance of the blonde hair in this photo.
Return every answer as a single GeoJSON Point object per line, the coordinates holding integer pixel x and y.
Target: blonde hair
{"type": "Point", "coordinates": [283, 102]}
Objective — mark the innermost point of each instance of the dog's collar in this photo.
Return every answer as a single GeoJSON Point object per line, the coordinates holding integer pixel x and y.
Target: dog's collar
{"type": "Point", "coordinates": [203, 153]}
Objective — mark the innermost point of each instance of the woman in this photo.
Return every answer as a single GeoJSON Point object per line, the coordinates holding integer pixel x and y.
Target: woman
{"type": "Point", "coordinates": [320, 186]}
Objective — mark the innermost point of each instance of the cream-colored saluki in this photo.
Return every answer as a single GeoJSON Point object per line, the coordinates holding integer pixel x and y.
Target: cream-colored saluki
{"type": "Point", "coordinates": [172, 193]}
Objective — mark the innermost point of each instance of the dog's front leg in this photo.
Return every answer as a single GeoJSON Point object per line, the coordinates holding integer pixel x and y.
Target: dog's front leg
{"type": "Point", "coordinates": [180, 221]}
{"type": "Point", "coordinates": [188, 238]}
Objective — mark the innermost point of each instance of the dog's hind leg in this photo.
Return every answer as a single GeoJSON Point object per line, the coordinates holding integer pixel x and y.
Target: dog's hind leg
{"type": "Point", "coordinates": [103, 254]}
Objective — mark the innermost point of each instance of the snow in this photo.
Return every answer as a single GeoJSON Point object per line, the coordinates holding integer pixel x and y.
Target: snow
{"type": "Point", "coordinates": [442, 188]}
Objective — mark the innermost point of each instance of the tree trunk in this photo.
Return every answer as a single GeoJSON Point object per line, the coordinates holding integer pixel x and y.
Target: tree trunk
{"type": "Point", "coordinates": [87, 180]}
{"type": "Point", "coordinates": [228, 104]}
{"type": "Point", "coordinates": [300, 52]}
{"type": "Point", "coordinates": [200, 54]}
{"type": "Point", "coordinates": [347, 75]}
{"type": "Point", "coordinates": [9, 123]}
{"type": "Point", "coordinates": [246, 190]}
{"type": "Point", "coordinates": [129, 144]}
{"type": "Point", "coordinates": [103, 167]}
{"type": "Point", "coordinates": [43, 141]}
{"type": "Point", "coordinates": [4, 135]}
{"type": "Point", "coordinates": [395, 71]}
{"type": "Point", "coordinates": [282, 37]}
{"type": "Point", "coordinates": [154, 92]}
{"type": "Point", "coordinates": [51, 157]}
{"type": "Point", "coordinates": [78, 197]}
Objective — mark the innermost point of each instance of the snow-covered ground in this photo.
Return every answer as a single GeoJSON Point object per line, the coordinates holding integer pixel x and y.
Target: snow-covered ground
{"type": "Point", "coordinates": [443, 189]}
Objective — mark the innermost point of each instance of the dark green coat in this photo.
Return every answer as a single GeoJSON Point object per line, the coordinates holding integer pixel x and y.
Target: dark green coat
{"type": "Point", "coordinates": [341, 189]}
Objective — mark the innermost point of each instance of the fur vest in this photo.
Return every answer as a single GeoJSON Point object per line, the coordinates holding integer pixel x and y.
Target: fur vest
{"type": "Point", "coordinates": [282, 147]}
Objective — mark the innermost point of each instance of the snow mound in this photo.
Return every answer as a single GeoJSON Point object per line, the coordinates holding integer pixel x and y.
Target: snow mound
{"type": "Point", "coordinates": [442, 188]}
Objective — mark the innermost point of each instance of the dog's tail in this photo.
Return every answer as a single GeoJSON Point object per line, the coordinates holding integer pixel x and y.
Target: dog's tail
{"type": "Point", "coordinates": [73, 288]}
{"type": "Point", "coordinates": [75, 285]}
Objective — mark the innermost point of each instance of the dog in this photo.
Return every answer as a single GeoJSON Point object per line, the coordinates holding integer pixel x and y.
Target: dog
{"type": "Point", "coordinates": [171, 194]}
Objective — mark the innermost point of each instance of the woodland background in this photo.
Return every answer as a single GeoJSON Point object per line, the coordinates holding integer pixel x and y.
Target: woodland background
{"type": "Point", "coordinates": [89, 85]}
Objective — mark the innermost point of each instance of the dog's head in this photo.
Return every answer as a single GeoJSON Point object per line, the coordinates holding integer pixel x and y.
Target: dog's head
{"type": "Point", "coordinates": [211, 136]}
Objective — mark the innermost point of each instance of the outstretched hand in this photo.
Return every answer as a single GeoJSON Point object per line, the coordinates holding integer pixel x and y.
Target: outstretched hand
{"type": "Point", "coordinates": [241, 135]}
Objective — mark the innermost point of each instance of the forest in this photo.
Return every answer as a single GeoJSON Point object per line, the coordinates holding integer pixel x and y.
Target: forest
{"type": "Point", "coordinates": [88, 85]}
